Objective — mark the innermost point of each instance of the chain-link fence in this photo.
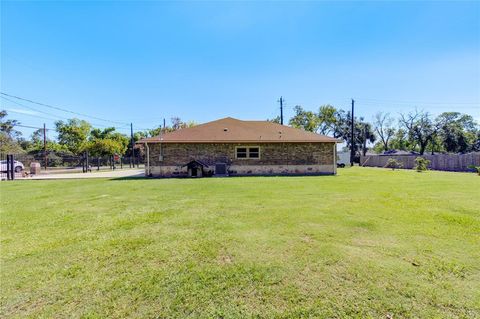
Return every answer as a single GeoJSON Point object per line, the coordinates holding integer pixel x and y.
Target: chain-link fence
{"type": "Point", "coordinates": [17, 166]}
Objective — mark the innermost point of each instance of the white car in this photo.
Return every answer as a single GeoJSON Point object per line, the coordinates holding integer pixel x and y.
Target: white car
{"type": "Point", "coordinates": [17, 166]}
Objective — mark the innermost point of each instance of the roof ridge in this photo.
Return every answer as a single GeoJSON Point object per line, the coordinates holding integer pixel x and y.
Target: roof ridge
{"type": "Point", "coordinates": [232, 130]}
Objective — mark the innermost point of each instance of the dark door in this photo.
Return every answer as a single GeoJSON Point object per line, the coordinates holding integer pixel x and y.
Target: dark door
{"type": "Point", "coordinates": [194, 172]}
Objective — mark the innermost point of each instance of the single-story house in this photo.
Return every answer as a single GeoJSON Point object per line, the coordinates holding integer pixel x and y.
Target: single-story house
{"type": "Point", "coordinates": [228, 147]}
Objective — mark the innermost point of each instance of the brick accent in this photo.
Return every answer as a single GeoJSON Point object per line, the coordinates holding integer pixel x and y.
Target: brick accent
{"type": "Point", "coordinates": [275, 158]}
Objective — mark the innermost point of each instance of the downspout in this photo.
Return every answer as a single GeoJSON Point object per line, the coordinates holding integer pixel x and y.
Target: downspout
{"type": "Point", "coordinates": [148, 160]}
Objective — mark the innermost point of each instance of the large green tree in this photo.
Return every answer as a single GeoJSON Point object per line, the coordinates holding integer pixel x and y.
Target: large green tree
{"type": "Point", "coordinates": [457, 132]}
{"type": "Point", "coordinates": [327, 119]}
{"type": "Point", "coordinates": [9, 135]}
{"type": "Point", "coordinates": [73, 134]}
{"type": "Point", "coordinates": [420, 127]}
{"type": "Point", "coordinates": [107, 142]}
{"type": "Point", "coordinates": [304, 119]}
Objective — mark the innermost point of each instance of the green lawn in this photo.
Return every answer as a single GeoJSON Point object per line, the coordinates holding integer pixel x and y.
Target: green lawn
{"type": "Point", "coordinates": [365, 243]}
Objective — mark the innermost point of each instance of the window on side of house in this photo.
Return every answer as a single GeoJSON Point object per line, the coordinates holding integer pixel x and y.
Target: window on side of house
{"type": "Point", "coordinates": [253, 152]}
{"type": "Point", "coordinates": [244, 152]}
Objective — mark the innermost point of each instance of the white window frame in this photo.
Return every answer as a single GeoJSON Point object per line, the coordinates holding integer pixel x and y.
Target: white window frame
{"type": "Point", "coordinates": [248, 152]}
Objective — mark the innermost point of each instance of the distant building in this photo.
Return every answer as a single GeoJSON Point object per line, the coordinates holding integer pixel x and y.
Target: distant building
{"type": "Point", "coordinates": [233, 147]}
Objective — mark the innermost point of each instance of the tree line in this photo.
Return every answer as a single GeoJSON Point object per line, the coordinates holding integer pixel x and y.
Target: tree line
{"type": "Point", "coordinates": [76, 136]}
{"type": "Point", "coordinates": [417, 131]}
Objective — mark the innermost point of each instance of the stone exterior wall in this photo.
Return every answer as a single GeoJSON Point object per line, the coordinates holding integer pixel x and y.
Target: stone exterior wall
{"type": "Point", "coordinates": [275, 158]}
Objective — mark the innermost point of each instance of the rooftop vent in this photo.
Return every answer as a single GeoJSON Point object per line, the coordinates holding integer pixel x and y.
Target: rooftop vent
{"type": "Point", "coordinates": [225, 129]}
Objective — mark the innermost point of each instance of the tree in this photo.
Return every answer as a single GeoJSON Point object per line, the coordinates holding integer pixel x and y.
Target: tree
{"type": "Point", "coordinates": [457, 132]}
{"type": "Point", "coordinates": [306, 120]}
{"type": "Point", "coordinates": [8, 135]}
{"type": "Point", "coordinates": [105, 147]}
{"type": "Point", "coordinates": [420, 127]}
{"type": "Point", "coordinates": [393, 164]}
{"type": "Point", "coordinates": [364, 134]}
{"type": "Point", "coordinates": [276, 119]}
{"type": "Point", "coordinates": [178, 124]}
{"type": "Point", "coordinates": [327, 117]}
{"type": "Point", "coordinates": [73, 134]}
{"type": "Point", "coordinates": [421, 164]}
{"type": "Point", "coordinates": [384, 128]}
{"type": "Point", "coordinates": [476, 144]}
{"type": "Point", "coordinates": [400, 140]}
{"type": "Point", "coordinates": [8, 126]}
{"type": "Point", "coordinates": [107, 142]}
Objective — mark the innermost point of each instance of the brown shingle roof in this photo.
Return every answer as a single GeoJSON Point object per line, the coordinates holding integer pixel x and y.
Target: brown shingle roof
{"type": "Point", "coordinates": [230, 130]}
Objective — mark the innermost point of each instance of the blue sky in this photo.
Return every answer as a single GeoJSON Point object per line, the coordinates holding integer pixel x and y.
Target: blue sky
{"type": "Point", "coordinates": [141, 62]}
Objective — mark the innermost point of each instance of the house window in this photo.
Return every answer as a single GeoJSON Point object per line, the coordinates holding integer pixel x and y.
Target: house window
{"type": "Point", "coordinates": [253, 152]}
{"type": "Point", "coordinates": [247, 152]}
{"type": "Point", "coordinates": [242, 152]}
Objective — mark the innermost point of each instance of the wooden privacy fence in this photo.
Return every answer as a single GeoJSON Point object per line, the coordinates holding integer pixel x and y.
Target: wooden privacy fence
{"type": "Point", "coordinates": [440, 162]}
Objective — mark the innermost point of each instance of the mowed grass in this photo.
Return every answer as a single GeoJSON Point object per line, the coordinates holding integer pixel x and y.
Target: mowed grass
{"type": "Point", "coordinates": [366, 243]}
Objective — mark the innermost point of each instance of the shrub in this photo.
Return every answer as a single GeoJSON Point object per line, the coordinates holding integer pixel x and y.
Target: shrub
{"type": "Point", "coordinates": [421, 164]}
{"type": "Point", "coordinates": [393, 164]}
{"type": "Point", "coordinates": [475, 169]}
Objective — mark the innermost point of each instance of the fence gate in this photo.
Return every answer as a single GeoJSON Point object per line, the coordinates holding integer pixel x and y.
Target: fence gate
{"type": "Point", "coordinates": [7, 164]}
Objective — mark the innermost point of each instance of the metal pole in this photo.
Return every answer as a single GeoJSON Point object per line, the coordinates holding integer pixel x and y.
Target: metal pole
{"type": "Point", "coordinates": [281, 110]}
{"type": "Point", "coordinates": [131, 144]}
{"type": "Point", "coordinates": [352, 141]}
{"type": "Point", "coordinates": [8, 167]}
{"type": "Point", "coordinates": [45, 146]}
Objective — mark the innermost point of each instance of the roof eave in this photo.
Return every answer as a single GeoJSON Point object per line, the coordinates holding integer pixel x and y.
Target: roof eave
{"type": "Point", "coordinates": [236, 141]}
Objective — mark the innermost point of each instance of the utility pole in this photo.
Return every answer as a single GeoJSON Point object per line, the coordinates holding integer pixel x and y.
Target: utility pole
{"type": "Point", "coordinates": [132, 158]}
{"type": "Point", "coordinates": [164, 125]}
{"type": "Point", "coordinates": [45, 145]}
{"type": "Point", "coordinates": [352, 142]}
{"type": "Point", "coordinates": [364, 139]}
{"type": "Point", "coordinates": [281, 109]}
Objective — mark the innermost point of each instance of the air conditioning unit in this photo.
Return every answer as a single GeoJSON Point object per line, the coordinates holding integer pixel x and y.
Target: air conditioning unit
{"type": "Point", "coordinates": [221, 169]}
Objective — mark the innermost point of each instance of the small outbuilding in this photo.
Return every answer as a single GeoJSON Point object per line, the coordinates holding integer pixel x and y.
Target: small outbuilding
{"type": "Point", "coordinates": [229, 147]}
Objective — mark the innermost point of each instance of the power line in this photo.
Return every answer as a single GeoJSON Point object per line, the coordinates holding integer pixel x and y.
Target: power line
{"type": "Point", "coordinates": [57, 117]}
{"type": "Point", "coordinates": [417, 102]}
{"type": "Point", "coordinates": [32, 115]}
{"type": "Point", "coordinates": [34, 109]}
{"type": "Point", "coordinates": [62, 109]}
{"type": "Point", "coordinates": [28, 126]}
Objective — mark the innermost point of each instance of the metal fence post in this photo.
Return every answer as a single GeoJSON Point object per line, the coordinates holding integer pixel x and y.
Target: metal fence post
{"type": "Point", "coordinates": [8, 167]}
